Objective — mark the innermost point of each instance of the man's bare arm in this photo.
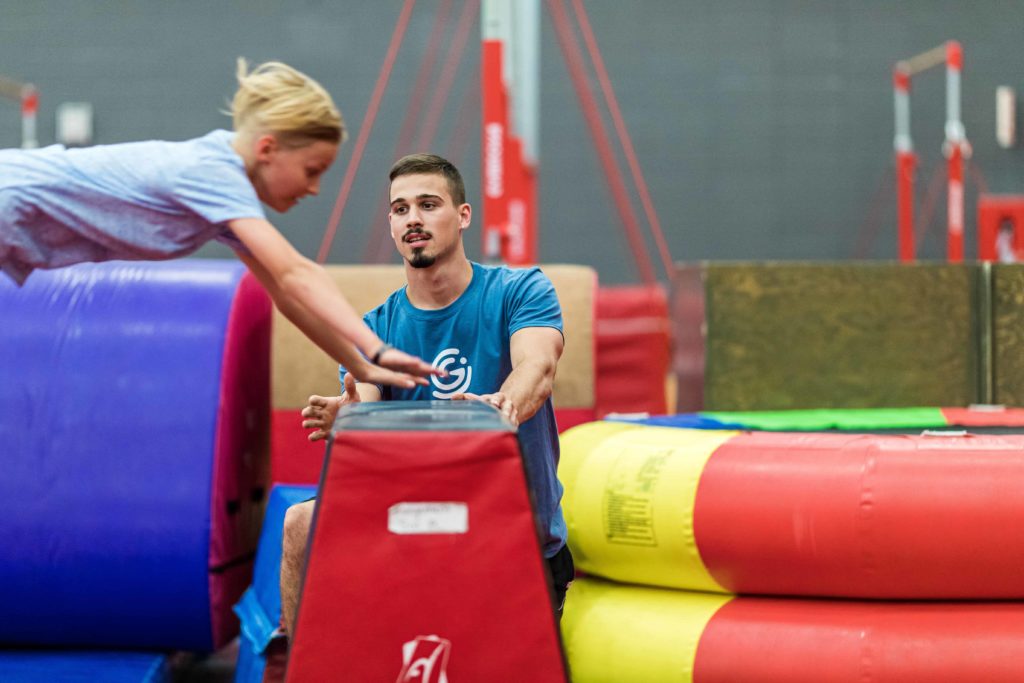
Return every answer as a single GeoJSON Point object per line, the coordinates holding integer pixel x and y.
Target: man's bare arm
{"type": "Point", "coordinates": [535, 352]}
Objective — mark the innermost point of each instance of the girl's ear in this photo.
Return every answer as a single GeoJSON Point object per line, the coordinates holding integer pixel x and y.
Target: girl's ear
{"type": "Point", "coordinates": [265, 146]}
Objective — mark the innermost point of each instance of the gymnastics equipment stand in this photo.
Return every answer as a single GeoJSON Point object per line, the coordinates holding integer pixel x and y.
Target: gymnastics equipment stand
{"type": "Point", "coordinates": [955, 148]}
{"type": "Point", "coordinates": [995, 212]}
{"type": "Point", "coordinates": [424, 562]}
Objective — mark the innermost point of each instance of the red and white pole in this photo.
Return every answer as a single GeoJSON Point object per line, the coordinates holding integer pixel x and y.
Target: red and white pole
{"type": "Point", "coordinates": [522, 74]}
{"type": "Point", "coordinates": [495, 131]}
{"type": "Point", "coordinates": [954, 147]}
{"type": "Point", "coordinates": [509, 84]}
{"type": "Point", "coordinates": [29, 110]}
{"type": "Point", "coordinates": [906, 162]}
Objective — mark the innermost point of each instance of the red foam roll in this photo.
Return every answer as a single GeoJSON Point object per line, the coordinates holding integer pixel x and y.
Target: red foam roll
{"type": "Point", "coordinates": [900, 517]}
{"type": "Point", "coordinates": [762, 640]}
{"type": "Point", "coordinates": [978, 417]}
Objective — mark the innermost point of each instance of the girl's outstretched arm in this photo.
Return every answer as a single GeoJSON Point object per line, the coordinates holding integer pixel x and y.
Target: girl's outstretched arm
{"type": "Point", "coordinates": [307, 296]}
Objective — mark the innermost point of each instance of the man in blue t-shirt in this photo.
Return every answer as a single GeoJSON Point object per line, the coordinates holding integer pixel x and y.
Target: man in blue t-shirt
{"type": "Point", "coordinates": [496, 331]}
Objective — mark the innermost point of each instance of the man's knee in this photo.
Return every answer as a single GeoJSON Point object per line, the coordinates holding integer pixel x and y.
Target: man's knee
{"type": "Point", "coordinates": [297, 520]}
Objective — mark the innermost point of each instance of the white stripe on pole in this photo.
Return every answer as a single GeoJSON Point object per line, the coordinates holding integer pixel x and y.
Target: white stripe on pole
{"type": "Point", "coordinates": [525, 84]}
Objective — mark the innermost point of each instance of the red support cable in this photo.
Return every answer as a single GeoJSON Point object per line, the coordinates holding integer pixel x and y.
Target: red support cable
{"type": "Point", "coordinates": [464, 120]}
{"type": "Point", "coordinates": [977, 177]}
{"type": "Point", "coordinates": [931, 200]}
{"type": "Point", "coordinates": [872, 224]}
{"type": "Point", "coordinates": [382, 251]}
{"type": "Point", "coordinates": [624, 138]}
{"type": "Point", "coordinates": [574, 62]}
{"type": "Point", "coordinates": [364, 130]}
{"type": "Point", "coordinates": [376, 237]}
{"type": "Point", "coordinates": [411, 121]}
{"type": "Point", "coordinates": [448, 71]}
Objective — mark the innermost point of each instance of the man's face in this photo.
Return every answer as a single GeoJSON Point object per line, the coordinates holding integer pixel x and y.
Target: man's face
{"type": "Point", "coordinates": [425, 223]}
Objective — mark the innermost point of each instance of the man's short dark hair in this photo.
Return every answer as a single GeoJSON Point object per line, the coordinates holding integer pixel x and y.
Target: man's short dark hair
{"type": "Point", "coordinates": [431, 164]}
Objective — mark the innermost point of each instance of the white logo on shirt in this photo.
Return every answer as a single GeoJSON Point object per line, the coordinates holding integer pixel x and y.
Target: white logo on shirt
{"type": "Point", "coordinates": [458, 378]}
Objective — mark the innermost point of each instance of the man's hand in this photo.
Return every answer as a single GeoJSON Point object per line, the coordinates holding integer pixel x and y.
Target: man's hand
{"type": "Point", "coordinates": [322, 410]}
{"type": "Point", "coordinates": [499, 401]}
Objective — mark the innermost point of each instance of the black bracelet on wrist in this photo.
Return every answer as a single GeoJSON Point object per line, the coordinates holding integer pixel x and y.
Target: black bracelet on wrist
{"type": "Point", "coordinates": [380, 352]}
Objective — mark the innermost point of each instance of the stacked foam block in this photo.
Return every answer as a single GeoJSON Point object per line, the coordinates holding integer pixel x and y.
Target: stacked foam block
{"type": "Point", "coordinates": [133, 426]}
{"type": "Point", "coordinates": [726, 556]}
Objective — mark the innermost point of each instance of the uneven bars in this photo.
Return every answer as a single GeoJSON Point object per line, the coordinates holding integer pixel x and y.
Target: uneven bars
{"type": "Point", "coordinates": [11, 88]}
{"type": "Point", "coordinates": [924, 61]}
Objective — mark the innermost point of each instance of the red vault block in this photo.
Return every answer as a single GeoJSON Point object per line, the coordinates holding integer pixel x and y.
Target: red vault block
{"type": "Point", "coordinates": [424, 561]}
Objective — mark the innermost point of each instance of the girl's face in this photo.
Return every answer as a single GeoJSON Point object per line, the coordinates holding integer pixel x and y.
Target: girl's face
{"type": "Point", "coordinates": [283, 175]}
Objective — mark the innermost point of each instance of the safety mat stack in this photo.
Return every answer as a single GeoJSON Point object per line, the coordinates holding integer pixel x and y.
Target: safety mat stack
{"type": "Point", "coordinates": [729, 556]}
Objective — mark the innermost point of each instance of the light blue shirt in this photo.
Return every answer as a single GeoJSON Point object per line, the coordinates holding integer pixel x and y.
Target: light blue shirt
{"type": "Point", "coordinates": [150, 200]}
{"type": "Point", "coordinates": [470, 339]}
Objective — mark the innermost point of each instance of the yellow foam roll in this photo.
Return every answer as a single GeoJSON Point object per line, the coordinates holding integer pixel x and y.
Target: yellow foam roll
{"type": "Point", "coordinates": [630, 492]}
{"type": "Point", "coordinates": [614, 633]}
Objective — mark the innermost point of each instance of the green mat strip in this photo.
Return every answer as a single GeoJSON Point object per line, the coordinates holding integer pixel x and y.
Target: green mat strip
{"type": "Point", "coordinates": [815, 420]}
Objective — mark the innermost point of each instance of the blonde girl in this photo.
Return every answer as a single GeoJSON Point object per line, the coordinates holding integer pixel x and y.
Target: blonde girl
{"type": "Point", "coordinates": [160, 200]}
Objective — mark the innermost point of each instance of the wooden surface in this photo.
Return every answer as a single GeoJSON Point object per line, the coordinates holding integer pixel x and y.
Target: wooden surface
{"type": "Point", "coordinates": [843, 335]}
{"type": "Point", "coordinates": [1008, 334]}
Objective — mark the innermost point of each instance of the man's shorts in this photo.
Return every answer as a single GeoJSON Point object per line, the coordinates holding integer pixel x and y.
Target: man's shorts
{"type": "Point", "coordinates": [562, 573]}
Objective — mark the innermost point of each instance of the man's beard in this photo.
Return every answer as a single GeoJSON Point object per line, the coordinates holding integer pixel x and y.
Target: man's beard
{"type": "Point", "coordinates": [421, 260]}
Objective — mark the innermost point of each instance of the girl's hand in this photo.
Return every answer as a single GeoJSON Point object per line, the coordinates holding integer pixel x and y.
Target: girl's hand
{"type": "Point", "coordinates": [393, 359]}
{"type": "Point", "coordinates": [374, 374]}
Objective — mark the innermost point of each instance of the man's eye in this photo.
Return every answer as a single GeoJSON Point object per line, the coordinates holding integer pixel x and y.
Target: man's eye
{"type": "Point", "coordinates": [399, 210]}
{"type": "Point", "coordinates": [428, 205]}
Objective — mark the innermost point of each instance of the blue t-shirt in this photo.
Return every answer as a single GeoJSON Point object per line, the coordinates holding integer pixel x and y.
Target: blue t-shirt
{"type": "Point", "coordinates": [150, 200]}
{"type": "Point", "coordinates": [470, 339]}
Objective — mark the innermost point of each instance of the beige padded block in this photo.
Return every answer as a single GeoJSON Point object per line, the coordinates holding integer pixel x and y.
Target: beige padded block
{"type": "Point", "coordinates": [299, 368]}
{"type": "Point", "coordinates": [576, 287]}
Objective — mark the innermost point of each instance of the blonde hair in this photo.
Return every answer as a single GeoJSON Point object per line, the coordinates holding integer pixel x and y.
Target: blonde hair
{"type": "Point", "coordinates": [275, 98]}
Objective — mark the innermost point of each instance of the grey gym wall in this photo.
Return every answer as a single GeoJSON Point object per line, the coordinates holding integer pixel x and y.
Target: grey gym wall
{"type": "Point", "coordinates": [764, 128]}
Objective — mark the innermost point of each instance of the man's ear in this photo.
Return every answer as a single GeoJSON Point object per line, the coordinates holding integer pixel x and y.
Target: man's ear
{"type": "Point", "coordinates": [465, 215]}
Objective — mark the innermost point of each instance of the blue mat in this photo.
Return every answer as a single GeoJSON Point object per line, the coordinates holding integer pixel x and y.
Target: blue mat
{"type": "Point", "coordinates": [83, 667]}
{"type": "Point", "coordinates": [260, 606]}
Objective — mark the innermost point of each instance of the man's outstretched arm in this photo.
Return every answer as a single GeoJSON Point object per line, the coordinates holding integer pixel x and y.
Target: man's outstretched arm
{"type": "Point", "coordinates": [535, 352]}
